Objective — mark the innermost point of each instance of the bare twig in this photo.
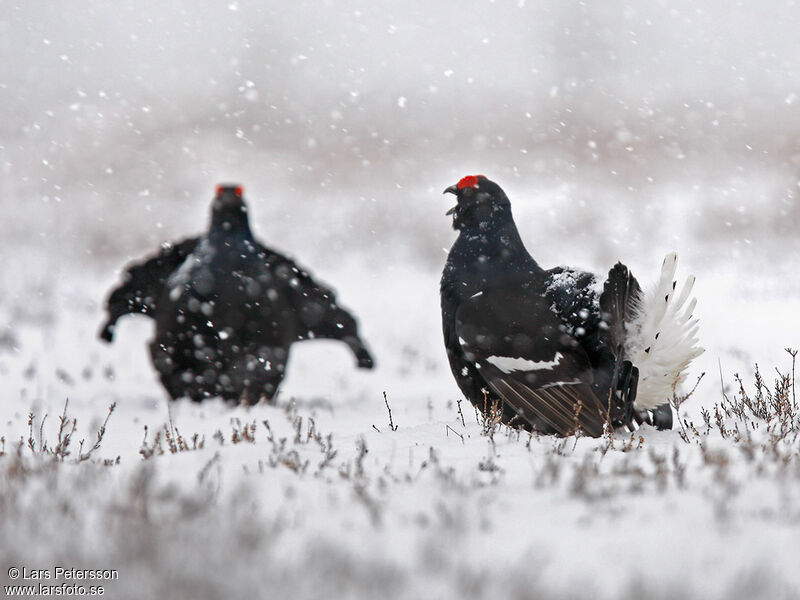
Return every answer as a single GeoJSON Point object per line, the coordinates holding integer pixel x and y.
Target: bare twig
{"type": "Point", "coordinates": [61, 450]}
{"type": "Point", "coordinates": [449, 429]}
{"type": "Point", "coordinates": [42, 444]}
{"type": "Point", "coordinates": [392, 426]}
{"type": "Point", "coordinates": [31, 442]}
{"type": "Point", "coordinates": [100, 433]}
{"type": "Point", "coordinates": [793, 354]}
{"type": "Point", "coordinates": [677, 402]}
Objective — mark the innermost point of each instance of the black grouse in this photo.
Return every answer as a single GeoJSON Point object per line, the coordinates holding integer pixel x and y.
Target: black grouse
{"type": "Point", "coordinates": [556, 350]}
{"type": "Point", "coordinates": [227, 310]}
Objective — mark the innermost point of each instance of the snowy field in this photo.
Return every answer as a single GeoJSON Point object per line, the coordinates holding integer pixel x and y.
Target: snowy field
{"type": "Point", "coordinates": [620, 132]}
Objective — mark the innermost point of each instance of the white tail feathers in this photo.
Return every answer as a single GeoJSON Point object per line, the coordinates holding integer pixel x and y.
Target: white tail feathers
{"type": "Point", "coordinates": [661, 338]}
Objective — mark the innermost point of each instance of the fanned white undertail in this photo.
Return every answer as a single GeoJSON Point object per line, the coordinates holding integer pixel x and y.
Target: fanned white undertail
{"type": "Point", "coordinates": [661, 338]}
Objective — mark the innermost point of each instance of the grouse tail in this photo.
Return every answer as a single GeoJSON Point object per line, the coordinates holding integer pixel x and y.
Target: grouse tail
{"type": "Point", "coordinates": [660, 335]}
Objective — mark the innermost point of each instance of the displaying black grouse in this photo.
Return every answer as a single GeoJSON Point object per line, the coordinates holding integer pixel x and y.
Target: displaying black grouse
{"type": "Point", "coordinates": [227, 310]}
{"type": "Point", "coordinates": [556, 350]}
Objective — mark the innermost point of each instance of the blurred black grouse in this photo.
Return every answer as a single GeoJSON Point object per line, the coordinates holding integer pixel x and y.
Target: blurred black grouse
{"type": "Point", "coordinates": [555, 350]}
{"type": "Point", "coordinates": [227, 310]}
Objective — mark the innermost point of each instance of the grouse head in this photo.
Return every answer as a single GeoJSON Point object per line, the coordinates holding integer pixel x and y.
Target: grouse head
{"type": "Point", "coordinates": [228, 210]}
{"type": "Point", "coordinates": [481, 203]}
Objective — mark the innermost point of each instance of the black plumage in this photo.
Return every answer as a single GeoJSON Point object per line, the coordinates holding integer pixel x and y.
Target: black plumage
{"type": "Point", "coordinates": [543, 344]}
{"type": "Point", "coordinates": [228, 309]}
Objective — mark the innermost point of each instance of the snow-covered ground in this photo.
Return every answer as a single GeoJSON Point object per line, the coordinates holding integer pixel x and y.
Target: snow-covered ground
{"type": "Point", "coordinates": [619, 132]}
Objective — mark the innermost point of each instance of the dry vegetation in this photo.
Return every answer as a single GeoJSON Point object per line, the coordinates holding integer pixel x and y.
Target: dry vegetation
{"type": "Point", "coordinates": [176, 539]}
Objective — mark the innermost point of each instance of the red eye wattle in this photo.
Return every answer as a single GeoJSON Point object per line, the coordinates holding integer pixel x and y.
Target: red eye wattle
{"type": "Point", "coordinates": [470, 181]}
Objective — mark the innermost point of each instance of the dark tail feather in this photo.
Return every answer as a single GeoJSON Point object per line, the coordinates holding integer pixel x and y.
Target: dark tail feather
{"type": "Point", "coordinates": [617, 302]}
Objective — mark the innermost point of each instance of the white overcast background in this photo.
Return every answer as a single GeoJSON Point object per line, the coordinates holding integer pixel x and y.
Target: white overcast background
{"type": "Point", "coordinates": [620, 131]}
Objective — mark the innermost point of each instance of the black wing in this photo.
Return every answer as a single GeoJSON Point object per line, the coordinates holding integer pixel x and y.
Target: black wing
{"type": "Point", "coordinates": [574, 298]}
{"type": "Point", "coordinates": [315, 306]}
{"type": "Point", "coordinates": [143, 284]}
{"type": "Point", "coordinates": [522, 351]}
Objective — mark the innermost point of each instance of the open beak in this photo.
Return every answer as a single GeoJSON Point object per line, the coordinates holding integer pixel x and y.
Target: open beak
{"type": "Point", "coordinates": [451, 190]}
